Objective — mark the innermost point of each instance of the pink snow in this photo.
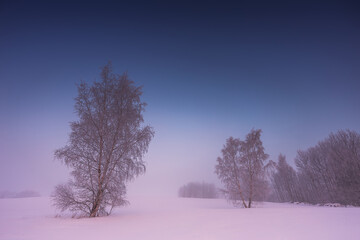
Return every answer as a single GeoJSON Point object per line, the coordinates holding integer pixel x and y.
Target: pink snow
{"type": "Point", "coordinates": [179, 218]}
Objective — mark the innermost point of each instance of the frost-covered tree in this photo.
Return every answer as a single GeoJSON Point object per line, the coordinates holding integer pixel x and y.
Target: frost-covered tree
{"type": "Point", "coordinates": [330, 171]}
{"type": "Point", "coordinates": [106, 145]}
{"type": "Point", "coordinates": [284, 181]}
{"type": "Point", "coordinates": [242, 169]}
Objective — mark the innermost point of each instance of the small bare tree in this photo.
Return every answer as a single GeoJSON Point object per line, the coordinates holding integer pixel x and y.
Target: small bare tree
{"type": "Point", "coordinates": [106, 145]}
{"type": "Point", "coordinates": [241, 169]}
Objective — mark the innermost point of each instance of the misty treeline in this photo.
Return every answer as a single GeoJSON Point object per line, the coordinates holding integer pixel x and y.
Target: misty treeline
{"type": "Point", "coordinates": [326, 173]}
{"type": "Point", "coordinates": [106, 145]}
{"type": "Point", "coordinates": [22, 194]}
{"type": "Point", "coordinates": [198, 190]}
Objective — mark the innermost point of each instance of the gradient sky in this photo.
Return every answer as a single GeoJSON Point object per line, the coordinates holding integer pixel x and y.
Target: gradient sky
{"type": "Point", "coordinates": [209, 71]}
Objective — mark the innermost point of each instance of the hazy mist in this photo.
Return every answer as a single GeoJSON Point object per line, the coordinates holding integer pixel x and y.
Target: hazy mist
{"type": "Point", "coordinates": [205, 77]}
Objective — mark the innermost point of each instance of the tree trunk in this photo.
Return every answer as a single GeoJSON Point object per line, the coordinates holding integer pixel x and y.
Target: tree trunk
{"type": "Point", "coordinates": [96, 205]}
{"type": "Point", "coordinates": [94, 210]}
{"type": "Point", "coordinates": [244, 203]}
{"type": "Point", "coordinates": [251, 191]}
{"type": "Point", "coordinates": [242, 199]}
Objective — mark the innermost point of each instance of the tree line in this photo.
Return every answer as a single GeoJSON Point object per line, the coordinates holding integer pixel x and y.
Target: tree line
{"type": "Point", "coordinates": [326, 173]}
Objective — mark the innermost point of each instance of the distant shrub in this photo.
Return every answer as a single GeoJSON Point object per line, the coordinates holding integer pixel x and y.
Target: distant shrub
{"type": "Point", "coordinates": [198, 190]}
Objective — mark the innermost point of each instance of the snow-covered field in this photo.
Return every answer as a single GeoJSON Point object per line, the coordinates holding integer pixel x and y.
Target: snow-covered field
{"type": "Point", "coordinates": [176, 218]}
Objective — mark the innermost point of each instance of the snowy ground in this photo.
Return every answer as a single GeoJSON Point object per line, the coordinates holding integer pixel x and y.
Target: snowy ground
{"type": "Point", "coordinates": [174, 218]}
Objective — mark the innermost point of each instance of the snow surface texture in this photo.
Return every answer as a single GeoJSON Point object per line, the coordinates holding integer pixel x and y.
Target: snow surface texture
{"type": "Point", "coordinates": [179, 218]}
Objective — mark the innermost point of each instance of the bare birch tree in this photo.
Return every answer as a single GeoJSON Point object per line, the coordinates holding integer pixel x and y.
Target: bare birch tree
{"type": "Point", "coordinates": [106, 145]}
{"type": "Point", "coordinates": [242, 169]}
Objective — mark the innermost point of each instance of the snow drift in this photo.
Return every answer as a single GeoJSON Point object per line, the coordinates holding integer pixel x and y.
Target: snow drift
{"type": "Point", "coordinates": [179, 218]}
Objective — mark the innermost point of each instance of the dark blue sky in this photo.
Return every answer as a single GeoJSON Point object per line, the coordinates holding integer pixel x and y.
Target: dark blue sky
{"type": "Point", "coordinates": [210, 70]}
